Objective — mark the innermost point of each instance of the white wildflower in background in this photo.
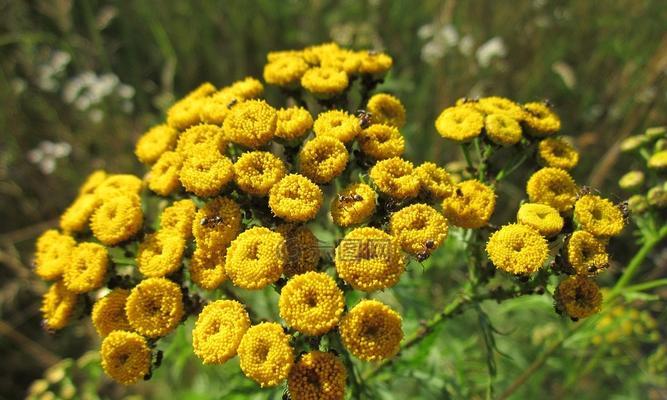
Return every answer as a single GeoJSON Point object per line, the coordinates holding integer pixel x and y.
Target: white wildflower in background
{"type": "Point", "coordinates": [439, 42]}
{"type": "Point", "coordinates": [88, 90]}
{"type": "Point", "coordinates": [18, 86]}
{"type": "Point", "coordinates": [466, 45]}
{"type": "Point", "coordinates": [493, 48]}
{"type": "Point", "coordinates": [449, 35]}
{"type": "Point", "coordinates": [49, 73]}
{"type": "Point", "coordinates": [47, 153]}
{"type": "Point", "coordinates": [426, 31]}
{"type": "Point", "coordinates": [565, 72]}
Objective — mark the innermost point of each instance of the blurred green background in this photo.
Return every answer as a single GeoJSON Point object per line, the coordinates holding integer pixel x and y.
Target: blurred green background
{"type": "Point", "coordinates": [81, 80]}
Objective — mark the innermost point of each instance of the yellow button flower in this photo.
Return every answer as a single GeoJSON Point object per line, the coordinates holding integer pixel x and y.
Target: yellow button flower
{"type": "Point", "coordinates": [93, 180]}
{"type": "Point", "coordinates": [471, 204]}
{"type": "Point", "coordinates": [435, 180]}
{"type": "Point", "coordinates": [419, 228]}
{"type": "Point", "coordinates": [117, 219]}
{"type": "Point", "coordinates": [598, 216]}
{"type": "Point", "coordinates": [251, 124]}
{"type": "Point", "coordinates": [502, 129]}
{"type": "Point", "coordinates": [203, 136]}
{"type": "Point", "coordinates": [205, 172]}
{"type": "Point", "coordinates": [396, 178]}
{"type": "Point", "coordinates": [154, 142]}
{"type": "Point", "coordinates": [160, 254]}
{"type": "Point", "coordinates": [517, 249]}
{"type": "Point", "coordinates": [109, 313]}
{"type": "Point", "coordinates": [285, 71]}
{"type": "Point", "coordinates": [217, 224]}
{"type": "Point", "coordinates": [155, 307]}
{"type": "Point", "coordinates": [57, 306]}
{"type": "Point", "coordinates": [314, 54]}
{"type": "Point", "coordinates": [163, 177]}
{"type": "Point", "coordinates": [52, 254]}
{"type": "Point", "coordinates": [499, 106]}
{"type": "Point", "coordinates": [586, 253]}
{"type": "Point", "coordinates": [246, 88]}
{"type": "Point", "coordinates": [343, 60]}
{"type": "Point", "coordinates": [77, 215]}
{"type": "Point", "coordinates": [295, 198]}
{"type": "Point", "coordinates": [545, 219]}
{"type": "Point", "coordinates": [578, 297]}
{"type": "Point", "coordinates": [178, 218]}
{"type": "Point", "coordinates": [87, 268]}
{"type": "Point", "coordinates": [557, 153]}
{"type": "Point", "coordinates": [214, 109]}
{"type": "Point", "coordinates": [372, 331]}
{"type": "Point", "coordinates": [374, 63]}
{"type": "Point", "coordinates": [540, 119]}
{"type": "Point", "coordinates": [185, 112]}
{"type": "Point", "coordinates": [265, 354]}
{"type": "Point", "coordinates": [381, 141]}
{"type": "Point", "coordinates": [317, 375]}
{"type": "Point", "coordinates": [126, 357]}
{"type": "Point", "coordinates": [632, 180]}
{"type": "Point", "coordinates": [353, 205]}
{"type": "Point", "coordinates": [207, 268]}
{"type": "Point", "coordinates": [386, 109]}
{"type": "Point", "coordinates": [553, 187]}
{"type": "Point", "coordinates": [293, 123]}
{"type": "Point", "coordinates": [218, 331]}
{"type": "Point", "coordinates": [337, 123]}
{"type": "Point", "coordinates": [322, 159]}
{"type": "Point", "coordinates": [256, 258]}
{"type": "Point", "coordinates": [460, 123]}
{"type": "Point", "coordinates": [303, 250]}
{"type": "Point", "coordinates": [658, 160]}
{"type": "Point", "coordinates": [256, 172]}
{"type": "Point", "coordinates": [311, 303]}
{"type": "Point", "coordinates": [324, 82]}
{"type": "Point", "coordinates": [118, 184]}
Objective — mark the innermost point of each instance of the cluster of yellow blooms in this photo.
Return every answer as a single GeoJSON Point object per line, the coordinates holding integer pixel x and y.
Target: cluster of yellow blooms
{"type": "Point", "coordinates": [238, 182]}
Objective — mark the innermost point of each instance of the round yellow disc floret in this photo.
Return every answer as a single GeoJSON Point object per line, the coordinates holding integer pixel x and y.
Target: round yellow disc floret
{"type": "Point", "coordinates": [126, 357]}
{"type": "Point", "coordinates": [207, 268]}
{"type": "Point", "coordinates": [163, 177]}
{"type": "Point", "coordinates": [160, 254]}
{"type": "Point", "coordinates": [87, 268]}
{"type": "Point", "coordinates": [658, 160]}
{"type": "Point", "coordinates": [293, 123]}
{"type": "Point", "coordinates": [109, 313]}
{"type": "Point", "coordinates": [217, 224]}
{"type": "Point", "coordinates": [324, 82]}
{"type": "Point", "coordinates": [337, 123]}
{"type": "Point", "coordinates": [502, 129]}
{"type": "Point", "coordinates": [553, 187]}
{"type": "Point", "coordinates": [371, 331]}
{"type": "Point", "coordinates": [353, 205]}
{"type": "Point", "coordinates": [342, 59]}
{"type": "Point", "coordinates": [116, 184]}
{"type": "Point", "coordinates": [265, 354]}
{"type": "Point", "coordinates": [303, 251]}
{"type": "Point", "coordinates": [311, 303]}
{"type": "Point", "coordinates": [178, 217]}
{"type": "Point", "coordinates": [471, 204]}
{"type": "Point", "coordinates": [285, 71]}
{"type": "Point", "coordinates": [374, 63]}
{"type": "Point", "coordinates": [460, 123]}
{"type": "Point", "coordinates": [540, 119]}
{"type": "Point", "coordinates": [381, 141]}
{"type": "Point", "coordinates": [214, 109]}
{"type": "Point", "coordinates": [369, 259]}
{"type": "Point", "coordinates": [517, 249]}
{"type": "Point", "coordinates": [322, 159]}
{"type": "Point", "coordinates": [545, 219]}
{"type": "Point", "coordinates": [57, 306]}
{"type": "Point", "coordinates": [117, 219]}
{"type": "Point", "coordinates": [256, 258]}
{"type": "Point", "coordinates": [91, 183]}
{"type": "Point", "coordinates": [209, 137]}
{"type": "Point", "coordinates": [396, 178]}
{"type": "Point", "coordinates": [557, 153]}
{"type": "Point", "coordinates": [156, 141]}
{"type": "Point", "coordinates": [418, 228]}
{"type": "Point", "coordinates": [586, 253]}
{"type": "Point", "coordinates": [246, 88]}
{"type": "Point", "coordinates": [206, 172]}
{"type": "Point", "coordinates": [578, 296]}
{"type": "Point", "coordinates": [75, 218]}
{"type": "Point", "coordinates": [251, 124]}
{"type": "Point", "coordinates": [256, 172]}
{"type": "Point", "coordinates": [435, 180]}
{"type": "Point", "coordinates": [317, 376]}
{"type": "Point", "coordinates": [218, 331]}
{"type": "Point", "coordinates": [185, 112]}
{"type": "Point", "coordinates": [386, 109]}
{"type": "Point", "coordinates": [632, 180]}
{"type": "Point", "coordinates": [499, 105]}
{"type": "Point", "coordinates": [155, 307]}
{"type": "Point", "coordinates": [52, 254]}
{"type": "Point", "coordinates": [295, 198]}
{"type": "Point", "coordinates": [598, 216]}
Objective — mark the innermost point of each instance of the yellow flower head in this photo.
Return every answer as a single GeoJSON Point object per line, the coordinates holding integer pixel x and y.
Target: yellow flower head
{"type": "Point", "coordinates": [324, 82]}
{"type": "Point", "coordinates": [109, 313]}
{"type": "Point", "coordinates": [91, 183]}
{"type": "Point", "coordinates": [386, 109]}
{"type": "Point", "coordinates": [154, 307]}
{"type": "Point", "coordinates": [256, 172]}
{"type": "Point", "coordinates": [545, 219]}
{"type": "Point", "coordinates": [381, 141]}
{"type": "Point", "coordinates": [317, 375]}
{"type": "Point", "coordinates": [251, 124]}
{"type": "Point", "coordinates": [419, 228]}
{"type": "Point", "coordinates": [285, 71]}
{"type": "Point", "coordinates": [471, 204]}
{"type": "Point", "coordinates": [295, 198]}
{"type": "Point", "coordinates": [246, 88]}
{"type": "Point", "coordinates": [214, 109]}
{"type": "Point", "coordinates": [631, 180]}
{"type": "Point", "coordinates": [435, 180]}
{"type": "Point", "coordinates": [337, 123]}
{"type": "Point", "coordinates": [460, 123]}
{"type": "Point", "coordinates": [293, 123]}
{"type": "Point", "coordinates": [178, 217]}
{"type": "Point", "coordinates": [598, 216]}
{"type": "Point", "coordinates": [657, 196]}
{"type": "Point", "coordinates": [193, 140]}
{"type": "Point", "coordinates": [163, 178]}
{"type": "Point", "coordinates": [517, 249]}
{"type": "Point", "coordinates": [256, 258]}
{"type": "Point", "coordinates": [52, 254]}
{"type": "Point", "coordinates": [311, 303]}
{"type": "Point", "coordinates": [118, 184]}
{"type": "Point", "coordinates": [396, 178]}
{"type": "Point", "coordinates": [638, 204]}
{"type": "Point", "coordinates": [303, 252]}
{"type": "Point", "coordinates": [499, 105]}
{"type": "Point", "coordinates": [265, 354]}
{"type": "Point", "coordinates": [372, 331]}
{"type": "Point", "coordinates": [658, 160]}
{"type": "Point", "coordinates": [160, 254]}
{"type": "Point", "coordinates": [322, 159]}
{"type": "Point", "coordinates": [578, 296]}
{"type": "Point", "coordinates": [117, 219]}
{"type": "Point", "coordinates": [156, 141]}
{"type": "Point", "coordinates": [502, 129]}
{"type": "Point", "coordinates": [126, 357]}
{"type": "Point", "coordinates": [369, 259]}
{"type": "Point", "coordinates": [553, 187]}
{"type": "Point", "coordinates": [586, 253]}
{"type": "Point", "coordinates": [218, 331]}
{"type": "Point", "coordinates": [374, 63]}
{"type": "Point", "coordinates": [217, 224]}
{"type": "Point", "coordinates": [314, 54]}
{"type": "Point", "coordinates": [75, 218]}
{"type": "Point", "coordinates": [540, 119]}
{"type": "Point", "coordinates": [185, 112]}
{"type": "Point", "coordinates": [57, 306]}
{"type": "Point", "coordinates": [632, 143]}
{"type": "Point", "coordinates": [278, 54]}
{"type": "Point", "coordinates": [205, 172]}
{"type": "Point", "coordinates": [87, 268]}
{"type": "Point", "coordinates": [353, 205]}
{"type": "Point", "coordinates": [207, 268]}
{"type": "Point", "coordinates": [558, 153]}
{"type": "Point", "coordinates": [343, 60]}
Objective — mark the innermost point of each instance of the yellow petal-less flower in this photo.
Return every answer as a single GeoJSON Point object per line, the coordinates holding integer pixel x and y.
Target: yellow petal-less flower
{"type": "Point", "coordinates": [598, 216]}
{"type": "Point", "coordinates": [311, 303]}
{"type": "Point", "coordinates": [586, 253]}
{"type": "Point", "coordinates": [324, 82]}
{"type": "Point", "coordinates": [117, 219]}
{"type": "Point", "coordinates": [154, 142]}
{"type": "Point", "coordinates": [337, 123]}
{"type": "Point", "coordinates": [471, 204]}
{"type": "Point", "coordinates": [396, 178]}
{"type": "Point", "coordinates": [557, 153]}
{"type": "Point", "coordinates": [109, 313]}
{"type": "Point", "coordinates": [419, 228]}
{"type": "Point", "coordinates": [372, 331]}
{"type": "Point", "coordinates": [160, 254]}
{"type": "Point", "coordinates": [52, 254]}
{"type": "Point", "coordinates": [578, 296]}
{"type": "Point", "coordinates": [209, 136]}
{"type": "Point", "coordinates": [369, 259]}
{"type": "Point", "coordinates": [285, 71]}
{"type": "Point", "coordinates": [256, 258]}
{"type": "Point", "coordinates": [322, 159]}
{"type": "Point", "coordinates": [246, 88]}
{"type": "Point", "coordinates": [265, 354]}
{"type": "Point", "coordinates": [154, 307]}
{"type": "Point", "coordinates": [207, 268]}
{"type": "Point", "coordinates": [91, 183]}
{"type": "Point", "coordinates": [178, 218]}
{"type": "Point", "coordinates": [435, 180]}
{"type": "Point", "coordinates": [57, 306]}
{"type": "Point", "coordinates": [214, 109]}
{"type": "Point", "coordinates": [499, 105]}
{"type": "Point", "coordinates": [386, 109]}
{"type": "Point", "coordinates": [303, 251]}
{"type": "Point", "coordinates": [540, 119]}
{"type": "Point", "coordinates": [317, 375]}
{"type": "Point", "coordinates": [163, 177]}
{"type": "Point", "coordinates": [517, 249]}
{"type": "Point", "coordinates": [256, 172]}
{"type": "Point", "coordinates": [77, 215]}
{"type": "Point", "coordinates": [126, 357]}
{"type": "Point", "coordinates": [293, 123]}
{"type": "Point", "coordinates": [206, 172]}
{"type": "Point", "coordinates": [251, 124]}
{"type": "Point", "coordinates": [87, 268]}
{"type": "Point", "coordinates": [295, 198]}
{"type": "Point", "coordinates": [658, 160]}
{"type": "Point", "coordinates": [545, 219]}
{"type": "Point", "coordinates": [374, 63]}
{"type": "Point", "coordinates": [218, 331]}
{"type": "Point", "coordinates": [553, 187]}
{"type": "Point", "coordinates": [185, 112]}
{"type": "Point", "coordinates": [502, 129]}
{"type": "Point", "coordinates": [460, 123]}
{"type": "Point", "coordinates": [353, 205]}
{"type": "Point", "coordinates": [344, 60]}
{"type": "Point", "coordinates": [381, 141]}
{"type": "Point", "coordinates": [217, 224]}
{"type": "Point", "coordinates": [632, 180]}
{"type": "Point", "coordinates": [118, 184]}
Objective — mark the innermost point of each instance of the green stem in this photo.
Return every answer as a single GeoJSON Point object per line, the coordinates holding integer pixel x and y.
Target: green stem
{"type": "Point", "coordinates": [504, 173]}
{"type": "Point", "coordinates": [637, 260]}
{"type": "Point", "coordinates": [640, 287]}
{"type": "Point", "coordinates": [466, 155]}
{"type": "Point", "coordinates": [481, 170]}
